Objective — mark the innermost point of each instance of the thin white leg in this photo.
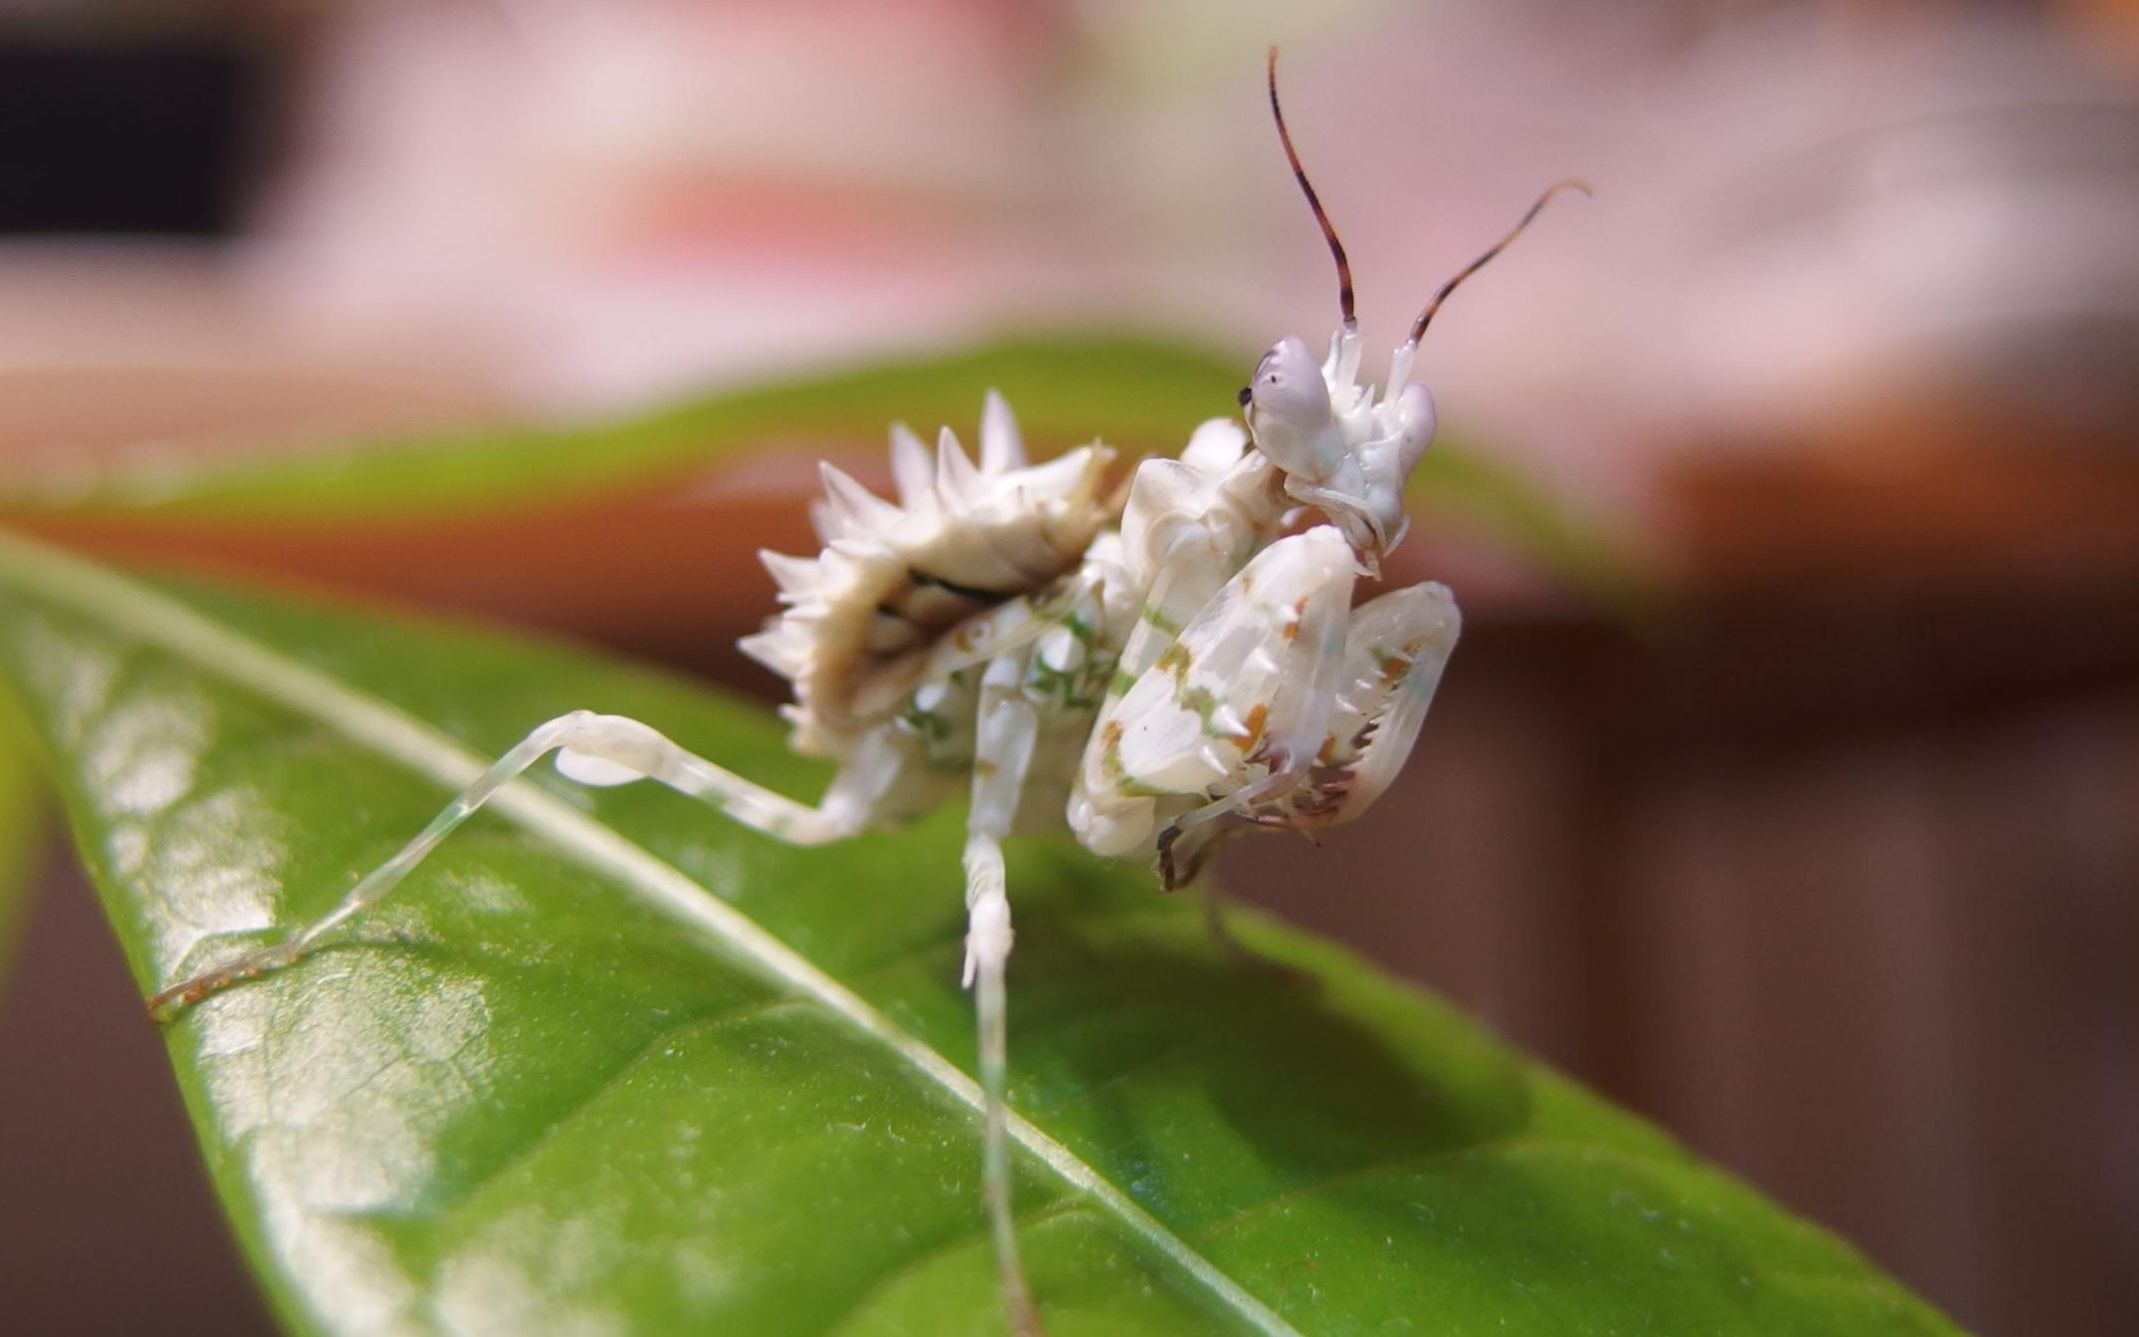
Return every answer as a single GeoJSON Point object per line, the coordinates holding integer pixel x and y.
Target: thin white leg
{"type": "Point", "coordinates": [1009, 724]}
{"type": "Point", "coordinates": [594, 749]}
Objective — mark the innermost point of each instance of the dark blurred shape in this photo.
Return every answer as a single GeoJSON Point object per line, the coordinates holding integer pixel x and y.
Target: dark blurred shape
{"type": "Point", "coordinates": [110, 1225]}
{"type": "Point", "coordinates": [141, 134]}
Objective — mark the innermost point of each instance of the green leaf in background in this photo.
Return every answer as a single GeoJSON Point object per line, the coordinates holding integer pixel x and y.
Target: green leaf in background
{"type": "Point", "coordinates": [22, 811]}
{"type": "Point", "coordinates": [1140, 394]}
{"type": "Point", "coordinates": [608, 1064]}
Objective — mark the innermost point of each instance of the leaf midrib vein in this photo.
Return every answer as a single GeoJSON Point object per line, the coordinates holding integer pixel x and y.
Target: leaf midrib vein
{"type": "Point", "coordinates": [371, 721]}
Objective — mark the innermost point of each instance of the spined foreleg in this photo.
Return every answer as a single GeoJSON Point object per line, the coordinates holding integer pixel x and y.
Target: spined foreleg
{"type": "Point", "coordinates": [1395, 649]}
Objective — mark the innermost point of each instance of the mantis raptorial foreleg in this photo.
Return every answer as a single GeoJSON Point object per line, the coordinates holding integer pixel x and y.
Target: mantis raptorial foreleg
{"type": "Point", "coordinates": [593, 749]}
{"type": "Point", "coordinates": [1230, 716]}
{"type": "Point", "coordinates": [1395, 649]}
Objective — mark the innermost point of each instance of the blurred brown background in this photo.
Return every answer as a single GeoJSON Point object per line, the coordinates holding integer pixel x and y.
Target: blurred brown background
{"type": "Point", "coordinates": [1826, 856]}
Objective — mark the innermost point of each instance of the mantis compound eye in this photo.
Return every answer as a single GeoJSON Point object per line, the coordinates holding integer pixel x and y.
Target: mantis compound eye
{"type": "Point", "coordinates": [1288, 391]}
{"type": "Point", "coordinates": [1290, 414]}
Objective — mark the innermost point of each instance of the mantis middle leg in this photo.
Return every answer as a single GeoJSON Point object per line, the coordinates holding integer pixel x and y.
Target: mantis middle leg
{"type": "Point", "coordinates": [1007, 730]}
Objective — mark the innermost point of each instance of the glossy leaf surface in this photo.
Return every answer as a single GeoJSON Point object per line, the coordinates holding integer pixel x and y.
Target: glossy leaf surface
{"type": "Point", "coordinates": [523, 1097]}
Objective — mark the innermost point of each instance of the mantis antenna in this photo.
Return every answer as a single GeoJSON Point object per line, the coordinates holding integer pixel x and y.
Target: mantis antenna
{"type": "Point", "coordinates": [1418, 329]}
{"type": "Point", "coordinates": [1314, 202]}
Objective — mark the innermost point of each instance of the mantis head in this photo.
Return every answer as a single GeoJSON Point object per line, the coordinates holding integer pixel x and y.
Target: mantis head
{"type": "Point", "coordinates": [1346, 448]}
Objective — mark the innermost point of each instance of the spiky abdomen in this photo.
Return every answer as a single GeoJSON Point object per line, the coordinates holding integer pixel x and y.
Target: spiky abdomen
{"type": "Point", "coordinates": [897, 584]}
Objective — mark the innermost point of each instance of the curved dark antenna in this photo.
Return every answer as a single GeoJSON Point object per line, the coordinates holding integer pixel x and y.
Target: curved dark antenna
{"type": "Point", "coordinates": [1418, 329]}
{"type": "Point", "coordinates": [1314, 202]}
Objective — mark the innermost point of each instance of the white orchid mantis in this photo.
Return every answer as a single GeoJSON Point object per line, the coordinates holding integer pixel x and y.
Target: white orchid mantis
{"type": "Point", "coordinates": [1156, 677]}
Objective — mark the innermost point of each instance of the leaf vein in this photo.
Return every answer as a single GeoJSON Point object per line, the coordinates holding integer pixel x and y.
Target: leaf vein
{"type": "Point", "coordinates": [375, 722]}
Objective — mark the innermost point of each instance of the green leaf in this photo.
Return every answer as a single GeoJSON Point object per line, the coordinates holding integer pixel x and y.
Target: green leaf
{"type": "Point", "coordinates": [22, 812]}
{"type": "Point", "coordinates": [609, 1064]}
{"type": "Point", "coordinates": [1140, 394]}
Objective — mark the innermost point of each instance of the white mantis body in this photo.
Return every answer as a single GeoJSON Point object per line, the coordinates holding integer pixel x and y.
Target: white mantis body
{"type": "Point", "coordinates": [1155, 681]}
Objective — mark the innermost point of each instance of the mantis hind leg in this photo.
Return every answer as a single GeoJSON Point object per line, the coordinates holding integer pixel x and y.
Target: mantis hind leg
{"type": "Point", "coordinates": [593, 749]}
